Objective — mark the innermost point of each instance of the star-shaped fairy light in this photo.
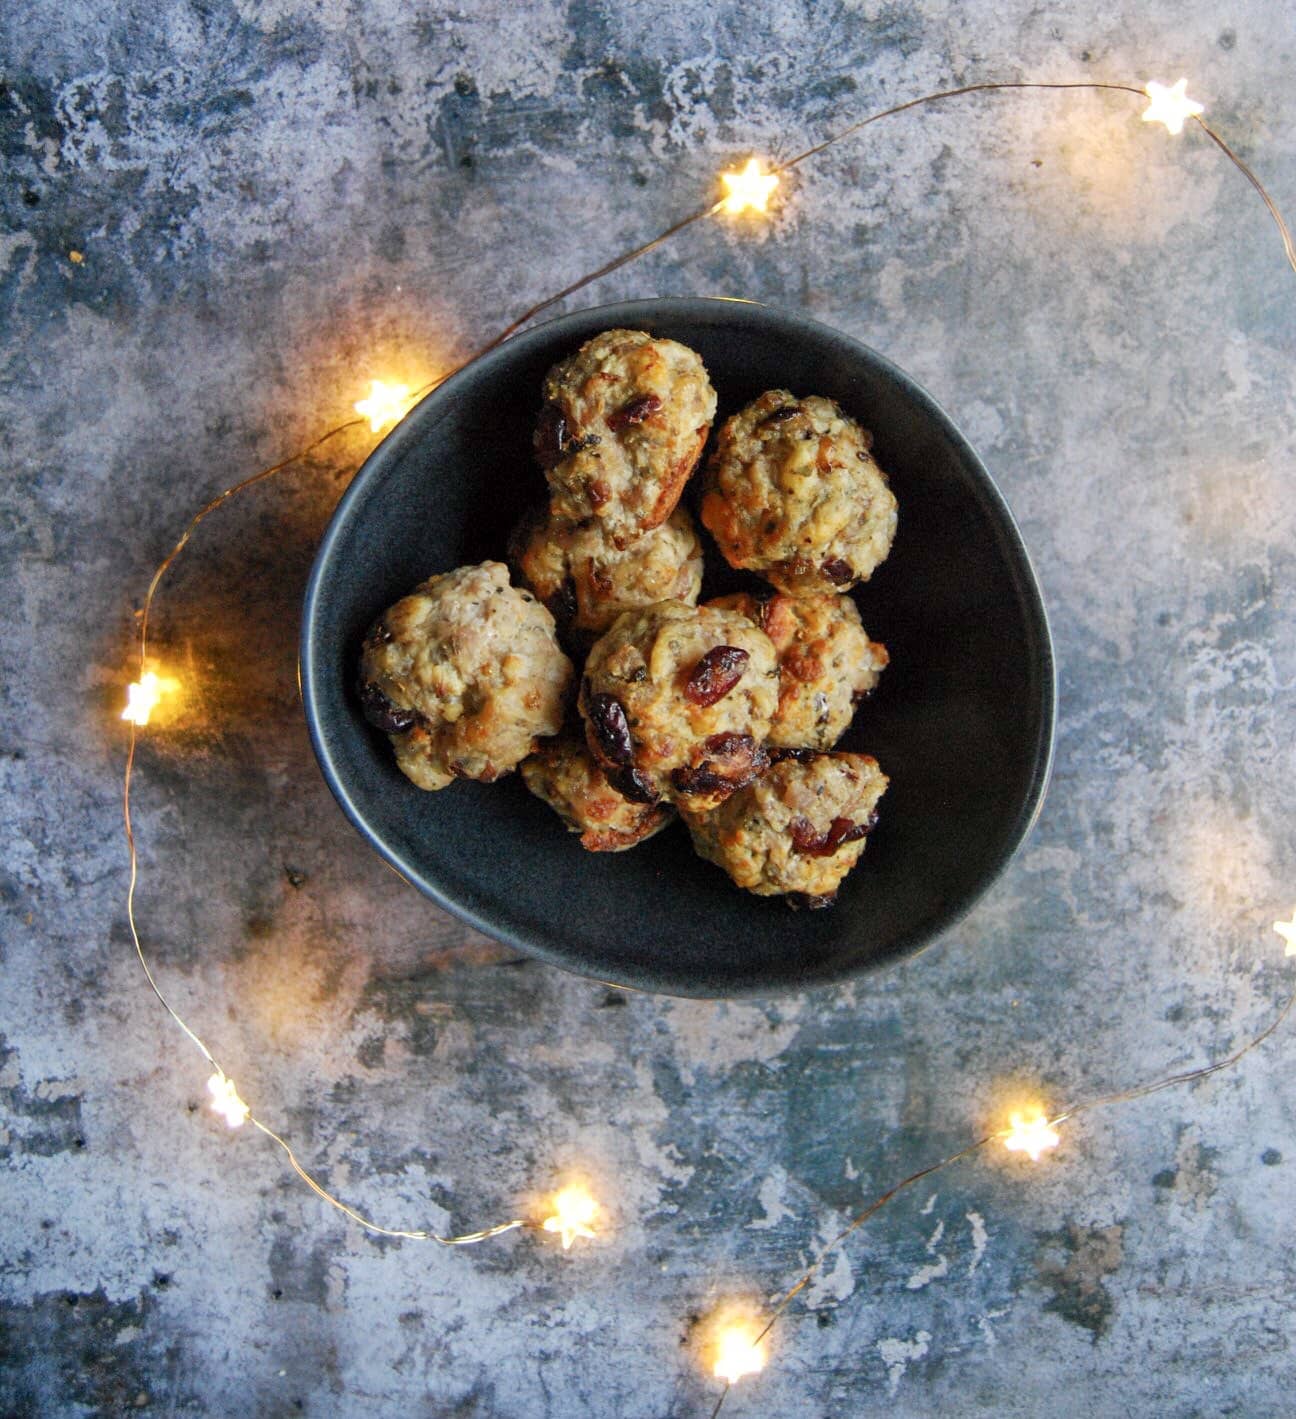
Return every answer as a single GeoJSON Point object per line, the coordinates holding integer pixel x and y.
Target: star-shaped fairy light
{"type": "Point", "coordinates": [1170, 106]}
{"type": "Point", "coordinates": [1287, 930]}
{"type": "Point", "coordinates": [748, 190]}
{"type": "Point", "coordinates": [142, 698]}
{"type": "Point", "coordinates": [738, 1353]}
{"type": "Point", "coordinates": [385, 404]}
{"type": "Point", "coordinates": [1032, 1135]}
{"type": "Point", "coordinates": [226, 1102]}
{"type": "Point", "coordinates": [145, 694]}
{"type": "Point", "coordinates": [574, 1210]}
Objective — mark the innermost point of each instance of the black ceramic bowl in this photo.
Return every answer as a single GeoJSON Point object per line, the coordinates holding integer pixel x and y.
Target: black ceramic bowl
{"type": "Point", "coordinates": [962, 721]}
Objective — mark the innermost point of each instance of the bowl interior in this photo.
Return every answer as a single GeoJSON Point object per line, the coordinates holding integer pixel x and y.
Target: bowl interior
{"type": "Point", "coordinates": [962, 721]}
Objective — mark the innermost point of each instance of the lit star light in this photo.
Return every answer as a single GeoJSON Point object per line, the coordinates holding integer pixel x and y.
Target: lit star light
{"type": "Point", "coordinates": [1033, 1135]}
{"type": "Point", "coordinates": [738, 1353]}
{"type": "Point", "coordinates": [142, 697]}
{"type": "Point", "coordinates": [1170, 106]}
{"type": "Point", "coordinates": [384, 405]}
{"type": "Point", "coordinates": [747, 190]}
{"type": "Point", "coordinates": [226, 1102]}
{"type": "Point", "coordinates": [1287, 930]}
{"type": "Point", "coordinates": [574, 1210]}
{"type": "Point", "coordinates": [145, 694]}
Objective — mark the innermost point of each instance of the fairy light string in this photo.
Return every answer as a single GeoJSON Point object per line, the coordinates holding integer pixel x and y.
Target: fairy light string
{"type": "Point", "coordinates": [740, 1351]}
{"type": "Point", "coordinates": [143, 696]}
{"type": "Point", "coordinates": [1032, 1135]}
{"type": "Point", "coordinates": [777, 169]}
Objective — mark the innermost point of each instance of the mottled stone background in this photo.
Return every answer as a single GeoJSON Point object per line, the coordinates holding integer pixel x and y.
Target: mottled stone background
{"type": "Point", "coordinates": [274, 200]}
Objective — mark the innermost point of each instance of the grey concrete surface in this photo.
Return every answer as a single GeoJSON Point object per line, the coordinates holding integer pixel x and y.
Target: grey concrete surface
{"type": "Point", "coordinates": [276, 200]}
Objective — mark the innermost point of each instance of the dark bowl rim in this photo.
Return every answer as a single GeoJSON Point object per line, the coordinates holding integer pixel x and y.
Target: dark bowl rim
{"type": "Point", "coordinates": [630, 313]}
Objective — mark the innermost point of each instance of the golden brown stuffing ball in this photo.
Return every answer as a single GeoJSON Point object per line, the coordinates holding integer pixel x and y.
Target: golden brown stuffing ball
{"type": "Point", "coordinates": [827, 664]}
{"type": "Point", "coordinates": [792, 492]}
{"type": "Point", "coordinates": [677, 702]}
{"type": "Point", "coordinates": [464, 675]}
{"type": "Point", "coordinates": [587, 581]}
{"type": "Point", "coordinates": [564, 775]}
{"type": "Point", "coordinates": [798, 829]}
{"type": "Point", "coordinates": [623, 425]}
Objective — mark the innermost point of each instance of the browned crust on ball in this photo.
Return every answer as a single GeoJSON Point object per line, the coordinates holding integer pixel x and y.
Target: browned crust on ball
{"type": "Point", "coordinates": [587, 581]}
{"type": "Point", "coordinates": [673, 482]}
{"type": "Point", "coordinates": [464, 675]}
{"type": "Point", "coordinates": [798, 829]}
{"type": "Point", "coordinates": [564, 775]}
{"type": "Point", "coordinates": [792, 492]}
{"type": "Point", "coordinates": [624, 422]}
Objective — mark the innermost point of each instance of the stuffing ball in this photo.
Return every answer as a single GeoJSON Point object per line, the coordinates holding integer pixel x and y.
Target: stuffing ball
{"type": "Point", "coordinates": [798, 829]}
{"type": "Point", "coordinates": [792, 492]}
{"type": "Point", "coordinates": [564, 775]}
{"type": "Point", "coordinates": [677, 702]}
{"type": "Point", "coordinates": [623, 425]}
{"type": "Point", "coordinates": [586, 581]}
{"type": "Point", "coordinates": [464, 675]}
{"type": "Point", "coordinates": [827, 664]}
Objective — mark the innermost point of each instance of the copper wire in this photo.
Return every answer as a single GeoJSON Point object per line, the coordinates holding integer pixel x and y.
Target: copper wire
{"type": "Point", "coordinates": [617, 262]}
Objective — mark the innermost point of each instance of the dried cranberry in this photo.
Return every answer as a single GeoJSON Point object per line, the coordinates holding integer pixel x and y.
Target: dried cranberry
{"type": "Point", "coordinates": [607, 719]}
{"type": "Point", "coordinates": [806, 901]}
{"type": "Point", "coordinates": [715, 674]}
{"type": "Point", "coordinates": [554, 439]}
{"type": "Point", "coordinates": [838, 570]}
{"type": "Point", "coordinates": [562, 604]}
{"type": "Point", "coordinates": [550, 436]}
{"type": "Point", "coordinates": [736, 746]}
{"type": "Point", "coordinates": [731, 762]}
{"type": "Point", "coordinates": [701, 778]}
{"type": "Point", "coordinates": [381, 713]}
{"type": "Point", "coordinates": [801, 756]}
{"type": "Point", "coordinates": [631, 784]}
{"type": "Point", "coordinates": [635, 412]}
{"type": "Point", "coordinates": [840, 831]}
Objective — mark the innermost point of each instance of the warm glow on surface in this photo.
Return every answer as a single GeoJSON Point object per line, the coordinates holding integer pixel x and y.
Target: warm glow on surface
{"type": "Point", "coordinates": [145, 694]}
{"type": "Point", "coordinates": [1170, 106]}
{"type": "Point", "coordinates": [748, 190]}
{"type": "Point", "coordinates": [226, 1102]}
{"type": "Point", "coordinates": [385, 404]}
{"type": "Point", "coordinates": [1032, 1135]}
{"type": "Point", "coordinates": [738, 1352]}
{"type": "Point", "coordinates": [1287, 930]}
{"type": "Point", "coordinates": [574, 1210]}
